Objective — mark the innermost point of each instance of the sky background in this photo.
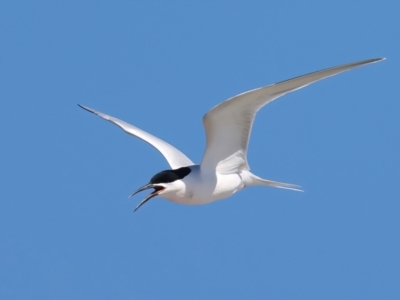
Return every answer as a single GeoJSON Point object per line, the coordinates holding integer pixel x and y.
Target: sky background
{"type": "Point", "coordinates": [67, 230]}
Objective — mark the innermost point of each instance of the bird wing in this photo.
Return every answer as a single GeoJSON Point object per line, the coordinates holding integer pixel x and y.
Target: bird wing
{"type": "Point", "coordinates": [175, 158]}
{"type": "Point", "coordinates": [228, 125]}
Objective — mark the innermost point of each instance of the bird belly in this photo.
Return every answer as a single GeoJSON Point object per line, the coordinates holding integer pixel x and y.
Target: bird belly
{"type": "Point", "coordinates": [205, 189]}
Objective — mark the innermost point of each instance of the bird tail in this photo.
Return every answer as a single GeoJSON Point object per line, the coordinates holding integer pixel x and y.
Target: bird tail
{"type": "Point", "coordinates": [255, 180]}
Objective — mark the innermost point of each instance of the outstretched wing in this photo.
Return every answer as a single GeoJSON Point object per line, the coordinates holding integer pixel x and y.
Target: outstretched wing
{"type": "Point", "coordinates": [175, 158]}
{"type": "Point", "coordinates": [228, 125]}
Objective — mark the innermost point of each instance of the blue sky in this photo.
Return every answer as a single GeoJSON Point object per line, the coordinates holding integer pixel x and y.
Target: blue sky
{"type": "Point", "coordinates": [67, 227]}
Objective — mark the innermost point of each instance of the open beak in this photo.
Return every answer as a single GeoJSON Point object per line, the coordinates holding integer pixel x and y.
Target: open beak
{"type": "Point", "coordinates": [157, 190]}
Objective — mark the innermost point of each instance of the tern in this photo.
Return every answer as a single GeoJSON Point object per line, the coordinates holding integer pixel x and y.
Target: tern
{"type": "Point", "coordinates": [224, 169]}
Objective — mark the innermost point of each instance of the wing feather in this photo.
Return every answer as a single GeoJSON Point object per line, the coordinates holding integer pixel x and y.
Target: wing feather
{"type": "Point", "coordinates": [175, 158]}
{"type": "Point", "coordinates": [228, 125]}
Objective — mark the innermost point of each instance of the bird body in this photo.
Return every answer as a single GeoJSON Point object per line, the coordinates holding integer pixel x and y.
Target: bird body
{"type": "Point", "coordinates": [203, 187]}
{"type": "Point", "coordinates": [224, 169]}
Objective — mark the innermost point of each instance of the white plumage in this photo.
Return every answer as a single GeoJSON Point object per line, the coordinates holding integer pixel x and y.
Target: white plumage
{"type": "Point", "coordinates": [224, 169]}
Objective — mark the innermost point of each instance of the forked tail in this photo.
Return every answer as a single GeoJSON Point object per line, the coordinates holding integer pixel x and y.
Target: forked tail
{"type": "Point", "coordinates": [255, 180]}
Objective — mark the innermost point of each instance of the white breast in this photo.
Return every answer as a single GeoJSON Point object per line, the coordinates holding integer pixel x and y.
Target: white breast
{"type": "Point", "coordinates": [201, 188]}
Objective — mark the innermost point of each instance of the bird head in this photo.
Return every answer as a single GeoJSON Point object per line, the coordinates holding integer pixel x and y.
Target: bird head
{"type": "Point", "coordinates": [162, 183]}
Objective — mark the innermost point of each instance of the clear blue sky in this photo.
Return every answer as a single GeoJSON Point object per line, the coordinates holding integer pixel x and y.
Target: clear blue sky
{"type": "Point", "coordinates": [67, 227]}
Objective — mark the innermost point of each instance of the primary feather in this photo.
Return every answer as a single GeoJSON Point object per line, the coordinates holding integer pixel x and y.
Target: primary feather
{"type": "Point", "coordinates": [228, 125]}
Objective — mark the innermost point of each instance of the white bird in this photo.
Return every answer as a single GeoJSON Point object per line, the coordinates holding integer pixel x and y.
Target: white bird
{"type": "Point", "coordinates": [224, 169]}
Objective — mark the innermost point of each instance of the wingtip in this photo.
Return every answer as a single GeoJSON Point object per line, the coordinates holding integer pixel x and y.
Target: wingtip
{"type": "Point", "coordinates": [374, 60]}
{"type": "Point", "coordinates": [85, 108]}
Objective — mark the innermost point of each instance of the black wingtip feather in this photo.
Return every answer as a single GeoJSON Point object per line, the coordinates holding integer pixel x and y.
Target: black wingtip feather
{"type": "Point", "coordinates": [85, 108]}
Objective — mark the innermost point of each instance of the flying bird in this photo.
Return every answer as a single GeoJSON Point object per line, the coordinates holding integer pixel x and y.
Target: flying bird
{"type": "Point", "coordinates": [224, 169]}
